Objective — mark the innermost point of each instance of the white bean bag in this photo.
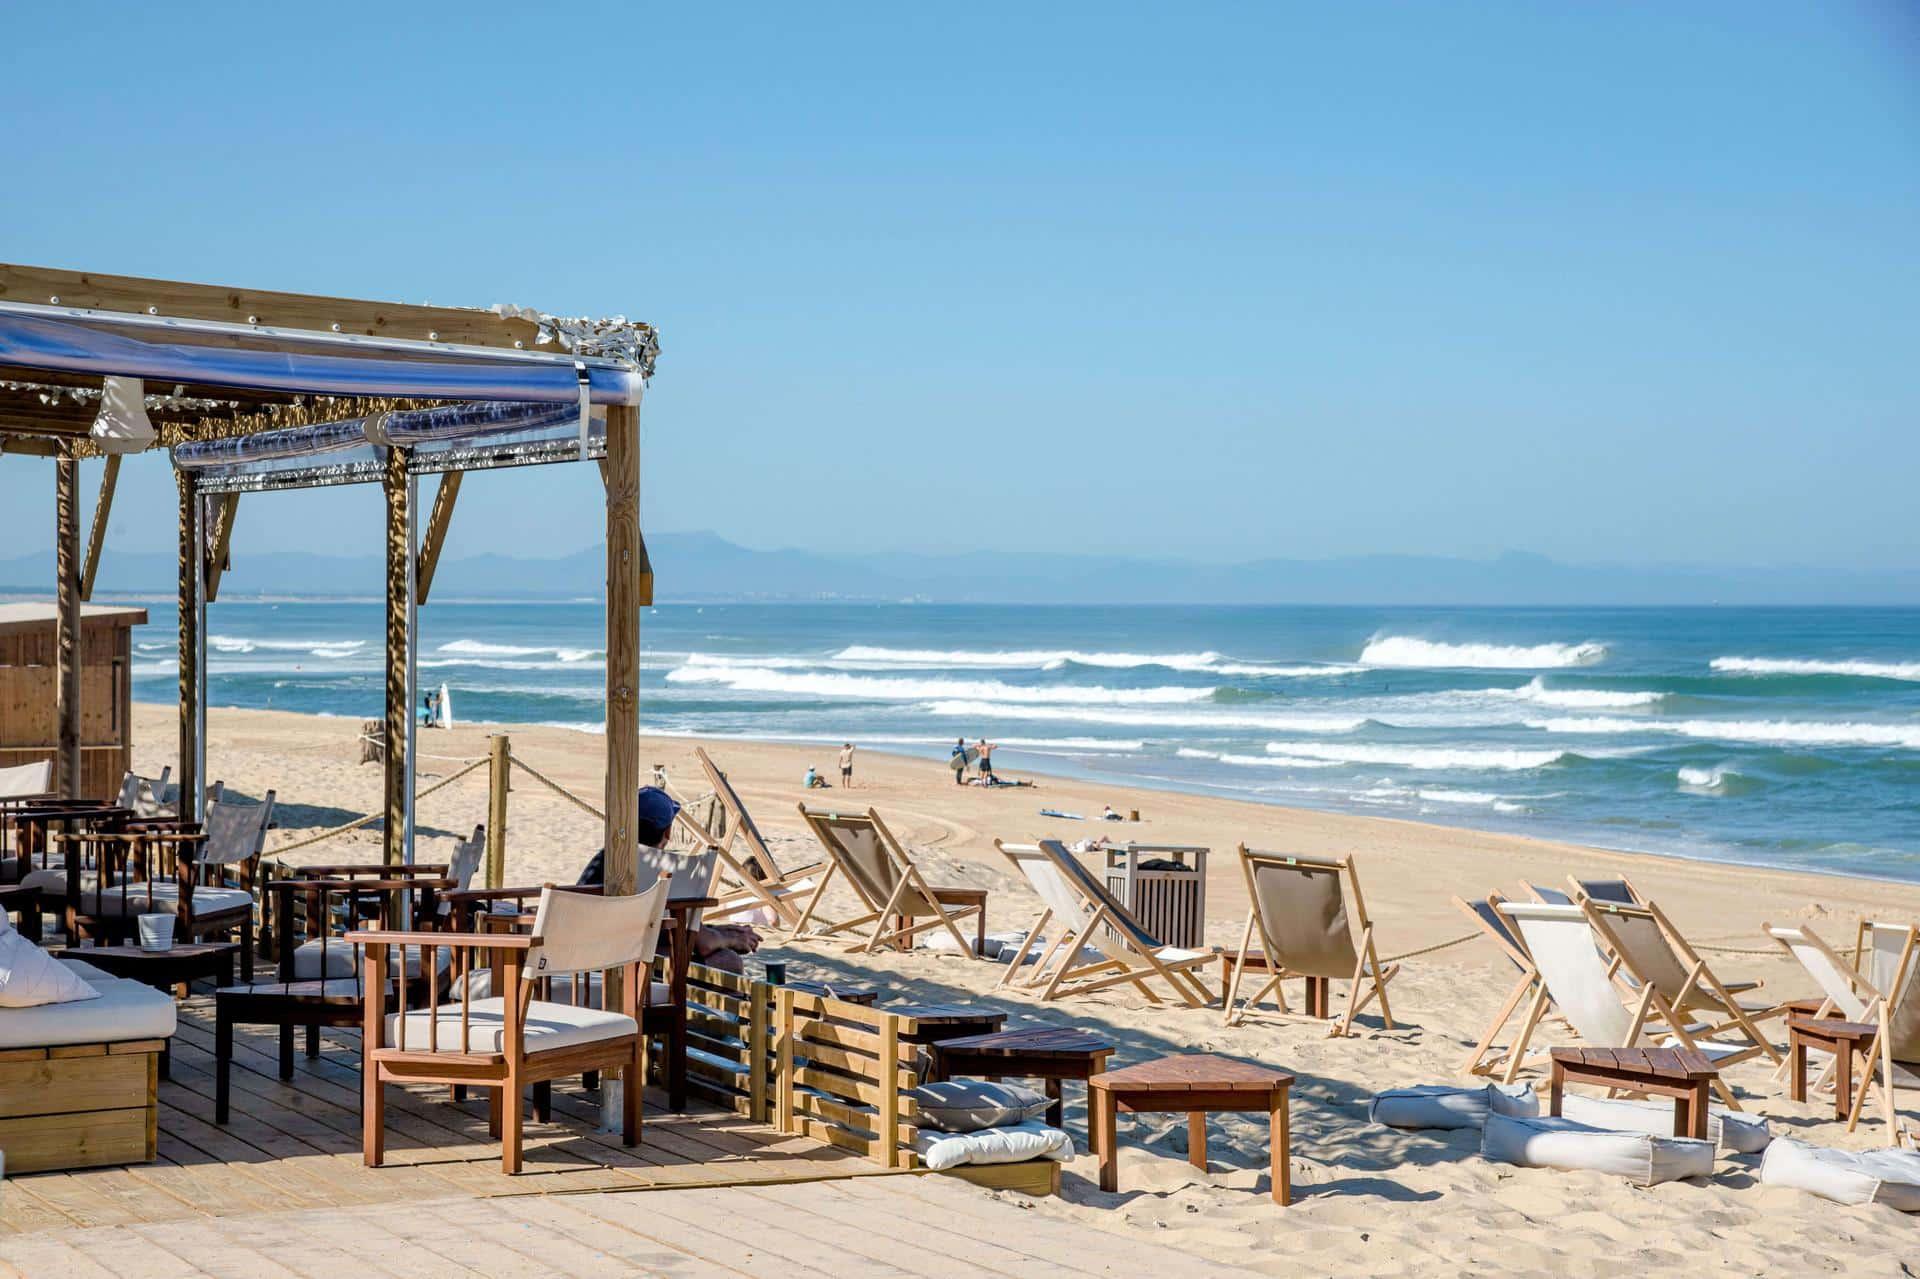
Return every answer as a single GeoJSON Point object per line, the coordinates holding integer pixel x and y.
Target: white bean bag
{"type": "Point", "coordinates": [1733, 1131]}
{"type": "Point", "coordinates": [1013, 1144]}
{"type": "Point", "coordinates": [1442, 1106]}
{"type": "Point", "coordinates": [1546, 1142]}
{"type": "Point", "coordinates": [1890, 1177]}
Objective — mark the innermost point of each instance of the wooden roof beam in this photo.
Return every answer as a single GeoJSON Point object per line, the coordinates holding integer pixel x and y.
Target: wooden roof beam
{"type": "Point", "coordinates": [436, 538]}
{"type": "Point", "coordinates": [96, 540]}
{"type": "Point", "coordinates": [219, 559]}
{"type": "Point", "coordinates": [132, 295]}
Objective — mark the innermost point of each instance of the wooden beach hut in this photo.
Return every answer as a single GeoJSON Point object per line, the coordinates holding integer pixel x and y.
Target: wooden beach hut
{"type": "Point", "coordinates": [29, 668]}
{"type": "Point", "coordinates": [253, 392]}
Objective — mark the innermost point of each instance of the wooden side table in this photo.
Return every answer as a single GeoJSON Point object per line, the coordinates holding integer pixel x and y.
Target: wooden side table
{"type": "Point", "coordinates": [1319, 990]}
{"type": "Point", "coordinates": [1841, 1038]}
{"type": "Point", "coordinates": [1679, 1073]}
{"type": "Point", "coordinates": [941, 1022]}
{"type": "Point", "coordinates": [1048, 1053]}
{"type": "Point", "coordinates": [954, 897]}
{"type": "Point", "coordinates": [1199, 1085]}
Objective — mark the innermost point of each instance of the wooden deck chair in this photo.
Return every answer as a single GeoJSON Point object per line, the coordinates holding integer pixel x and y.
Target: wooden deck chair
{"type": "Point", "coordinates": [1844, 992]}
{"type": "Point", "coordinates": [900, 903]}
{"type": "Point", "coordinates": [1078, 907]}
{"type": "Point", "coordinates": [757, 882]}
{"type": "Point", "coordinates": [1607, 890]}
{"type": "Point", "coordinates": [1483, 1060]}
{"type": "Point", "coordinates": [1894, 1058]}
{"type": "Point", "coordinates": [509, 1041]}
{"type": "Point", "coordinates": [1312, 923]}
{"type": "Point", "coordinates": [1573, 975]}
{"type": "Point", "coordinates": [1655, 954]}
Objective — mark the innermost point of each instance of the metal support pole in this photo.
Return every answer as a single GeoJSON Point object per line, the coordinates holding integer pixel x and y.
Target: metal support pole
{"type": "Point", "coordinates": [200, 689]}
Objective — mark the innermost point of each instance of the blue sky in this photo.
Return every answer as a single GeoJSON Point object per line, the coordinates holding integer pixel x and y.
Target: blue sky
{"type": "Point", "coordinates": [1620, 282]}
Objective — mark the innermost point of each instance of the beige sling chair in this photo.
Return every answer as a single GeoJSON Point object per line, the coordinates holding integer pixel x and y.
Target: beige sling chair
{"type": "Point", "coordinates": [758, 883]}
{"type": "Point", "coordinates": [900, 903]}
{"type": "Point", "coordinates": [1845, 992]}
{"type": "Point", "coordinates": [1484, 1060]}
{"type": "Point", "coordinates": [509, 1041]}
{"type": "Point", "coordinates": [1312, 923]}
{"type": "Point", "coordinates": [1077, 908]}
{"type": "Point", "coordinates": [1655, 955]}
{"type": "Point", "coordinates": [1574, 977]}
{"type": "Point", "coordinates": [1894, 1055]}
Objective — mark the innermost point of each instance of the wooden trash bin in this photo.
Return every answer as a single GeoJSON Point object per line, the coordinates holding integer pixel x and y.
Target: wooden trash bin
{"type": "Point", "coordinates": [1165, 888]}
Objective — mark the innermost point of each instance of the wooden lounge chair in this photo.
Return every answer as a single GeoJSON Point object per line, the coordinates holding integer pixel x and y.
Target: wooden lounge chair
{"type": "Point", "coordinates": [899, 901]}
{"type": "Point", "coordinates": [1483, 1060]}
{"type": "Point", "coordinates": [1312, 923]}
{"type": "Point", "coordinates": [1655, 954]}
{"type": "Point", "coordinates": [1574, 977]}
{"type": "Point", "coordinates": [1894, 1057]}
{"type": "Point", "coordinates": [1607, 890]}
{"type": "Point", "coordinates": [1078, 908]}
{"type": "Point", "coordinates": [509, 1041]}
{"type": "Point", "coordinates": [757, 880]}
{"type": "Point", "coordinates": [1845, 992]}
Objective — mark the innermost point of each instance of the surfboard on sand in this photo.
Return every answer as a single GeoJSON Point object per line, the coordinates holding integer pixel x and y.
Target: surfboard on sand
{"type": "Point", "coordinates": [446, 708]}
{"type": "Point", "coordinates": [964, 760]}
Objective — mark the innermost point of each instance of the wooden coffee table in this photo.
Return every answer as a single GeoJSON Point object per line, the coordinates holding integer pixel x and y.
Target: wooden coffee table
{"type": "Point", "coordinates": [1048, 1053]}
{"type": "Point", "coordinates": [1199, 1085]}
{"type": "Point", "coordinates": [1841, 1038]}
{"type": "Point", "coordinates": [941, 1022]}
{"type": "Point", "coordinates": [1679, 1073]}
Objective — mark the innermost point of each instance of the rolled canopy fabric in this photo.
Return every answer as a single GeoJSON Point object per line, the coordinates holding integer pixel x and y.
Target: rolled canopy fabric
{"type": "Point", "coordinates": [405, 428]}
{"type": "Point", "coordinates": [96, 345]}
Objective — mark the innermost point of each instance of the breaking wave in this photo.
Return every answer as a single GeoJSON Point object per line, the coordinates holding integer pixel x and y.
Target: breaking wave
{"type": "Point", "coordinates": [318, 648]}
{"type": "Point", "coordinates": [975, 710]}
{"type": "Point", "coordinates": [750, 679]}
{"type": "Point", "coordinates": [1809, 666]}
{"type": "Point", "coordinates": [1427, 758]}
{"type": "Point", "coordinates": [1054, 659]}
{"type": "Point", "coordinates": [1594, 699]}
{"type": "Point", "coordinates": [1406, 651]}
{"type": "Point", "coordinates": [479, 648]}
{"type": "Point", "coordinates": [1775, 732]}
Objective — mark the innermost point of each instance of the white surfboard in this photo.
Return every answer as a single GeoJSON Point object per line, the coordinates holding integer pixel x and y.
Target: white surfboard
{"type": "Point", "coordinates": [446, 708]}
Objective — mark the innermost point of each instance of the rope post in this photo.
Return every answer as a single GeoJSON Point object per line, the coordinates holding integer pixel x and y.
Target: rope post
{"type": "Point", "coordinates": [498, 757]}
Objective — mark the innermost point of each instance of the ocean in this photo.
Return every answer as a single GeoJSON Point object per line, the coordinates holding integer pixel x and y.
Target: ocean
{"type": "Point", "coordinates": [1778, 737]}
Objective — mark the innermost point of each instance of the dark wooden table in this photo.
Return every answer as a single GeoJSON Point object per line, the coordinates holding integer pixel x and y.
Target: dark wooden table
{"type": "Point", "coordinates": [169, 970]}
{"type": "Point", "coordinates": [1319, 996]}
{"type": "Point", "coordinates": [1048, 1053]}
{"type": "Point", "coordinates": [1841, 1038]}
{"type": "Point", "coordinates": [941, 1022]}
{"type": "Point", "coordinates": [1679, 1073]}
{"type": "Point", "coordinates": [1199, 1085]}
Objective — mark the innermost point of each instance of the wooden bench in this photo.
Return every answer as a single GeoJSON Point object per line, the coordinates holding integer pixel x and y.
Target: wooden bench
{"type": "Point", "coordinates": [842, 1072]}
{"type": "Point", "coordinates": [79, 1105]}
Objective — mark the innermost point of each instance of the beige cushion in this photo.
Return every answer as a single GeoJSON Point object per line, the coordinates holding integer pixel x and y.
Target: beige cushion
{"type": "Point", "coordinates": [342, 957]}
{"type": "Point", "coordinates": [125, 1010]}
{"type": "Point", "coordinates": [165, 896]}
{"type": "Point", "coordinates": [480, 985]}
{"type": "Point", "coordinates": [547, 1026]}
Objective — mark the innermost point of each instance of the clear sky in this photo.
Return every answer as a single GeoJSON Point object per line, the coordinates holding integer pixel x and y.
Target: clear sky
{"type": "Point", "coordinates": [1623, 282]}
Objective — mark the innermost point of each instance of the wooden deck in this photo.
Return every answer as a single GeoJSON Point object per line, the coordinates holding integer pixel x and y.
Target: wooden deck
{"type": "Point", "coordinates": [296, 1145]}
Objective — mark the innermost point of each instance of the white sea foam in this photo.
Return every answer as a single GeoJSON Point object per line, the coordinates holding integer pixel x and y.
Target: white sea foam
{"type": "Point", "coordinates": [479, 648]}
{"type": "Point", "coordinates": [515, 664]}
{"type": "Point", "coordinates": [1772, 732]}
{"type": "Point", "coordinates": [1145, 718]}
{"type": "Point", "coordinates": [1578, 699]}
{"type": "Point", "coordinates": [754, 679]}
{"type": "Point", "coordinates": [317, 648]}
{"type": "Point", "coordinates": [1408, 651]}
{"type": "Point", "coordinates": [1057, 658]}
{"type": "Point", "coordinates": [1428, 758]}
{"type": "Point", "coordinates": [1811, 666]}
{"type": "Point", "coordinates": [1708, 781]}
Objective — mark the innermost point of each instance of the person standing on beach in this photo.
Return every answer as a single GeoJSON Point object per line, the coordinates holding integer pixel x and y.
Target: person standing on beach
{"type": "Point", "coordinates": [959, 752]}
{"type": "Point", "coordinates": [846, 766]}
{"type": "Point", "coordinates": [986, 760]}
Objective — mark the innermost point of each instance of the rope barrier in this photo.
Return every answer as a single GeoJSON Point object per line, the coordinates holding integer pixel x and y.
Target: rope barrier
{"type": "Point", "coordinates": [370, 818]}
{"type": "Point", "coordinates": [1428, 950]}
{"type": "Point", "coordinates": [556, 787]}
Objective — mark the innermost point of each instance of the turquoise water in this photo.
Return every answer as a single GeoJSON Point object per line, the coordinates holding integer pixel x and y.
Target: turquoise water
{"type": "Point", "coordinates": [1783, 737]}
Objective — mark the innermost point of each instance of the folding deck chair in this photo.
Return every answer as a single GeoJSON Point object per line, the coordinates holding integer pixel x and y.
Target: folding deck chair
{"type": "Point", "coordinates": [899, 901]}
{"type": "Point", "coordinates": [1078, 906]}
{"type": "Point", "coordinates": [1654, 953]}
{"type": "Point", "coordinates": [1844, 991]}
{"type": "Point", "coordinates": [1895, 1053]}
{"type": "Point", "coordinates": [1573, 975]}
{"type": "Point", "coordinates": [758, 881]}
{"type": "Point", "coordinates": [1483, 1060]}
{"type": "Point", "coordinates": [1313, 924]}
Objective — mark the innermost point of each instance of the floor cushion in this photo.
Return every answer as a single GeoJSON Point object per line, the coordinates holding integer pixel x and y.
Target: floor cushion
{"type": "Point", "coordinates": [1884, 1176]}
{"type": "Point", "coordinates": [971, 1105]}
{"type": "Point", "coordinates": [1732, 1130]}
{"type": "Point", "coordinates": [1442, 1106]}
{"type": "Point", "coordinates": [1015, 1143]}
{"type": "Point", "coordinates": [1546, 1142]}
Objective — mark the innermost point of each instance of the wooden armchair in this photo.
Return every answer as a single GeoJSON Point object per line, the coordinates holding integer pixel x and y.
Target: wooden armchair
{"type": "Point", "coordinates": [510, 1040]}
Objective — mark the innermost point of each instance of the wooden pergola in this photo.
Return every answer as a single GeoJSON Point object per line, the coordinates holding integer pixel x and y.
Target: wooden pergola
{"type": "Point", "coordinates": [240, 384]}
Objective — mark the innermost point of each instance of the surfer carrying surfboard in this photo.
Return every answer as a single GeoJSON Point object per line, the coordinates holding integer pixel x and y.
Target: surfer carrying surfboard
{"type": "Point", "coordinates": [958, 759]}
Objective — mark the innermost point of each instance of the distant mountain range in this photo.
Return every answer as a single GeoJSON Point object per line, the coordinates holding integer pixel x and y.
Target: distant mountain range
{"type": "Point", "coordinates": [706, 567]}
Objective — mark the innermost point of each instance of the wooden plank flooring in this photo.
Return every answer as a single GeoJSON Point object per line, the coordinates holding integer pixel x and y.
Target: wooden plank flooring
{"type": "Point", "coordinates": [898, 1227]}
{"type": "Point", "coordinates": [296, 1145]}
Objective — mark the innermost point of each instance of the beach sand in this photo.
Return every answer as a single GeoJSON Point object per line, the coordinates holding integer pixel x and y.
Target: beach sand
{"type": "Point", "coordinates": [1371, 1200]}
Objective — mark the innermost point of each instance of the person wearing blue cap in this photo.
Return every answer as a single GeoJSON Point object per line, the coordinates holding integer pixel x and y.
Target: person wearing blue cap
{"type": "Point", "coordinates": [654, 811]}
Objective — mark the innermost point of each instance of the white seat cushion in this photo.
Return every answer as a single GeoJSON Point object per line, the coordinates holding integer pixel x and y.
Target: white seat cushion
{"type": "Point", "coordinates": [31, 978]}
{"type": "Point", "coordinates": [342, 958]}
{"type": "Point", "coordinates": [480, 986]}
{"type": "Point", "coordinates": [547, 1026]}
{"type": "Point", "coordinates": [126, 1010]}
{"type": "Point", "coordinates": [166, 896]}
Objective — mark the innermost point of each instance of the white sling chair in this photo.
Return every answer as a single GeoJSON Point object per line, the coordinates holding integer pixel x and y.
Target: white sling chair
{"type": "Point", "coordinates": [1574, 976]}
{"type": "Point", "coordinates": [1895, 1054]}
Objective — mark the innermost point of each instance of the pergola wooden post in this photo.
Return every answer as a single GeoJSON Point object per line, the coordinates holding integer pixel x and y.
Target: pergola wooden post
{"type": "Point", "coordinates": [399, 709]}
{"type": "Point", "coordinates": [190, 645]}
{"type": "Point", "coordinates": [66, 627]}
{"type": "Point", "coordinates": [622, 863]}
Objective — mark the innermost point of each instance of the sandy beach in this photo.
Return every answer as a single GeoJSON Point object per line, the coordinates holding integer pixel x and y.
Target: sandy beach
{"type": "Point", "coordinates": [1372, 1200]}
